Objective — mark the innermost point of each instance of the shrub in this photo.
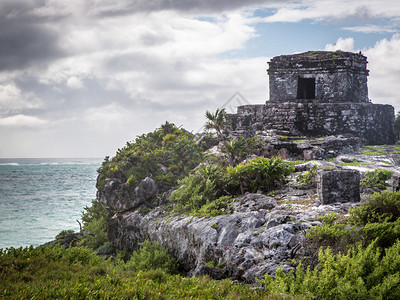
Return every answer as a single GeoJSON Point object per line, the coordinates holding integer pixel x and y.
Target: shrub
{"type": "Point", "coordinates": [168, 154]}
{"type": "Point", "coordinates": [150, 256]}
{"type": "Point", "coordinates": [94, 220]}
{"type": "Point", "coordinates": [362, 273]}
{"type": "Point", "coordinates": [382, 206]}
{"type": "Point", "coordinates": [193, 193]}
{"type": "Point", "coordinates": [376, 178]}
{"type": "Point", "coordinates": [106, 249]}
{"type": "Point", "coordinates": [259, 174]}
{"type": "Point", "coordinates": [64, 233]}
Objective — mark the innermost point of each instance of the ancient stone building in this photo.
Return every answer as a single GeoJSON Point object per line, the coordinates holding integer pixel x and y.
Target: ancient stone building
{"type": "Point", "coordinates": [317, 94]}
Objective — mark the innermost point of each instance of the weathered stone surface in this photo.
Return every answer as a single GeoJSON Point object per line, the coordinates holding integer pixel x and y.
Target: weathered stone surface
{"type": "Point", "coordinates": [240, 242]}
{"type": "Point", "coordinates": [371, 122]}
{"type": "Point", "coordinates": [396, 183]}
{"type": "Point", "coordinates": [116, 197]}
{"type": "Point", "coordinates": [338, 186]}
{"type": "Point", "coordinates": [323, 75]}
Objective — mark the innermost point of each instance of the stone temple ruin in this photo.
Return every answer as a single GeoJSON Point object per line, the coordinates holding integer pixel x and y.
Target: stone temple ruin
{"type": "Point", "coordinates": [318, 94]}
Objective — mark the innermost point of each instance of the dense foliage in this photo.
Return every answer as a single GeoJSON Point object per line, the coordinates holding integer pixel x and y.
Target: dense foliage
{"type": "Point", "coordinates": [362, 273]}
{"type": "Point", "coordinates": [167, 154]}
{"type": "Point", "coordinates": [94, 220]}
{"type": "Point", "coordinates": [376, 178]}
{"type": "Point", "coordinates": [78, 273]}
{"type": "Point", "coordinates": [208, 190]}
{"type": "Point", "coordinates": [150, 256]}
{"type": "Point", "coordinates": [359, 258]}
{"type": "Point", "coordinates": [259, 174]}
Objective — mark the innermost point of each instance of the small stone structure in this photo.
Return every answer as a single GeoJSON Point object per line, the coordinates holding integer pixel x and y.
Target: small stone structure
{"type": "Point", "coordinates": [328, 77]}
{"type": "Point", "coordinates": [318, 94]}
{"type": "Point", "coordinates": [396, 183]}
{"type": "Point", "coordinates": [338, 186]}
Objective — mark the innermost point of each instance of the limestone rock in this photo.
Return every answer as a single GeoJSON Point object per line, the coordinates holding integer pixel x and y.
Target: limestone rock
{"type": "Point", "coordinates": [117, 197]}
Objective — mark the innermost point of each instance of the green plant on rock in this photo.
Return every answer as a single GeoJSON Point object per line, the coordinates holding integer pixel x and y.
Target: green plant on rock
{"type": "Point", "coordinates": [167, 154]}
{"type": "Point", "coordinates": [201, 193]}
{"type": "Point", "coordinates": [259, 174]}
{"type": "Point", "coordinates": [308, 177]}
{"type": "Point", "coordinates": [376, 178]}
{"type": "Point", "coordinates": [64, 233]}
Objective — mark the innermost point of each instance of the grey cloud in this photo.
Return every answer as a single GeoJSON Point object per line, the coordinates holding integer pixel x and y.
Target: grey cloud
{"type": "Point", "coordinates": [25, 39]}
{"type": "Point", "coordinates": [191, 6]}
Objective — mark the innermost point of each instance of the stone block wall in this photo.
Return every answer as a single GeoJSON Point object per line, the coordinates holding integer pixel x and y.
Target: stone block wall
{"type": "Point", "coordinates": [337, 76]}
{"type": "Point", "coordinates": [371, 122]}
{"type": "Point", "coordinates": [338, 186]}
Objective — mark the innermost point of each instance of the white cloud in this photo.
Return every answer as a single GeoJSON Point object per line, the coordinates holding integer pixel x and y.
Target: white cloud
{"type": "Point", "coordinates": [22, 121]}
{"type": "Point", "coordinates": [12, 99]}
{"type": "Point", "coordinates": [384, 65]}
{"type": "Point", "coordinates": [371, 28]}
{"type": "Point", "coordinates": [346, 44]}
{"type": "Point", "coordinates": [74, 82]}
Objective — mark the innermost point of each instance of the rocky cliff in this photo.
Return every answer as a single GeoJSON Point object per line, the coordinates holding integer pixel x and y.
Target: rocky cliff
{"type": "Point", "coordinates": [261, 232]}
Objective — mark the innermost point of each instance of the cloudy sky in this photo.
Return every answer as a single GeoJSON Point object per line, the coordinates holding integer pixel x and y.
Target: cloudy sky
{"type": "Point", "coordinates": [79, 78]}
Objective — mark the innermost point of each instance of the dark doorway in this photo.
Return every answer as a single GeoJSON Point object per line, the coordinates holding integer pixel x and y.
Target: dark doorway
{"type": "Point", "coordinates": [306, 88]}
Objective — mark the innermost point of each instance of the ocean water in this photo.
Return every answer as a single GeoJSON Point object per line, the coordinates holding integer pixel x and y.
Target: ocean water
{"type": "Point", "coordinates": [41, 197]}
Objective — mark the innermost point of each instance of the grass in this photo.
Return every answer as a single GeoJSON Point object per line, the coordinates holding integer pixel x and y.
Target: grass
{"type": "Point", "coordinates": [353, 163]}
{"type": "Point", "coordinates": [396, 147]}
{"type": "Point", "coordinates": [77, 273]}
{"type": "Point", "coordinates": [373, 147]}
{"type": "Point", "coordinates": [373, 153]}
{"type": "Point", "coordinates": [396, 152]}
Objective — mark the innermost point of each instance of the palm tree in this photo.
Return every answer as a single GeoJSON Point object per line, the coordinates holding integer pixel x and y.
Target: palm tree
{"type": "Point", "coordinates": [218, 121]}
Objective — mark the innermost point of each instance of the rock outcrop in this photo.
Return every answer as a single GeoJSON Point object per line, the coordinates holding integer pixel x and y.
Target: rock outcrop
{"type": "Point", "coordinates": [261, 233]}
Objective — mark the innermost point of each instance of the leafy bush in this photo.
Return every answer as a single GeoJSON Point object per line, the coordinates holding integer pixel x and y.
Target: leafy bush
{"type": "Point", "coordinates": [64, 233]}
{"type": "Point", "coordinates": [106, 249]}
{"type": "Point", "coordinates": [259, 174]}
{"type": "Point", "coordinates": [150, 256]}
{"type": "Point", "coordinates": [168, 154]}
{"type": "Point", "coordinates": [359, 274]}
{"type": "Point", "coordinates": [200, 193]}
{"type": "Point", "coordinates": [382, 206]}
{"type": "Point", "coordinates": [94, 220]}
{"type": "Point", "coordinates": [376, 178]}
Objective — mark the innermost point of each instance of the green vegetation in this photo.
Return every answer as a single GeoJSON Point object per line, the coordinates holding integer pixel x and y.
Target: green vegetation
{"type": "Point", "coordinates": [396, 152]}
{"type": "Point", "coordinates": [78, 273]}
{"type": "Point", "coordinates": [356, 163]}
{"type": "Point", "coordinates": [376, 178]}
{"type": "Point", "coordinates": [362, 273]}
{"type": "Point", "coordinates": [208, 190]}
{"type": "Point", "coordinates": [359, 257]}
{"type": "Point", "coordinates": [259, 174]}
{"type": "Point", "coordinates": [373, 153]}
{"type": "Point", "coordinates": [150, 256]}
{"type": "Point", "coordinates": [308, 177]}
{"type": "Point", "coordinates": [168, 154]}
{"type": "Point", "coordinates": [94, 220]}
{"type": "Point", "coordinates": [218, 121]}
{"type": "Point", "coordinates": [64, 233]}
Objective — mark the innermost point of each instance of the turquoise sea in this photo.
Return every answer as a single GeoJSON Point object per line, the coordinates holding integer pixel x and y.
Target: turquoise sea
{"type": "Point", "coordinates": [40, 197]}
